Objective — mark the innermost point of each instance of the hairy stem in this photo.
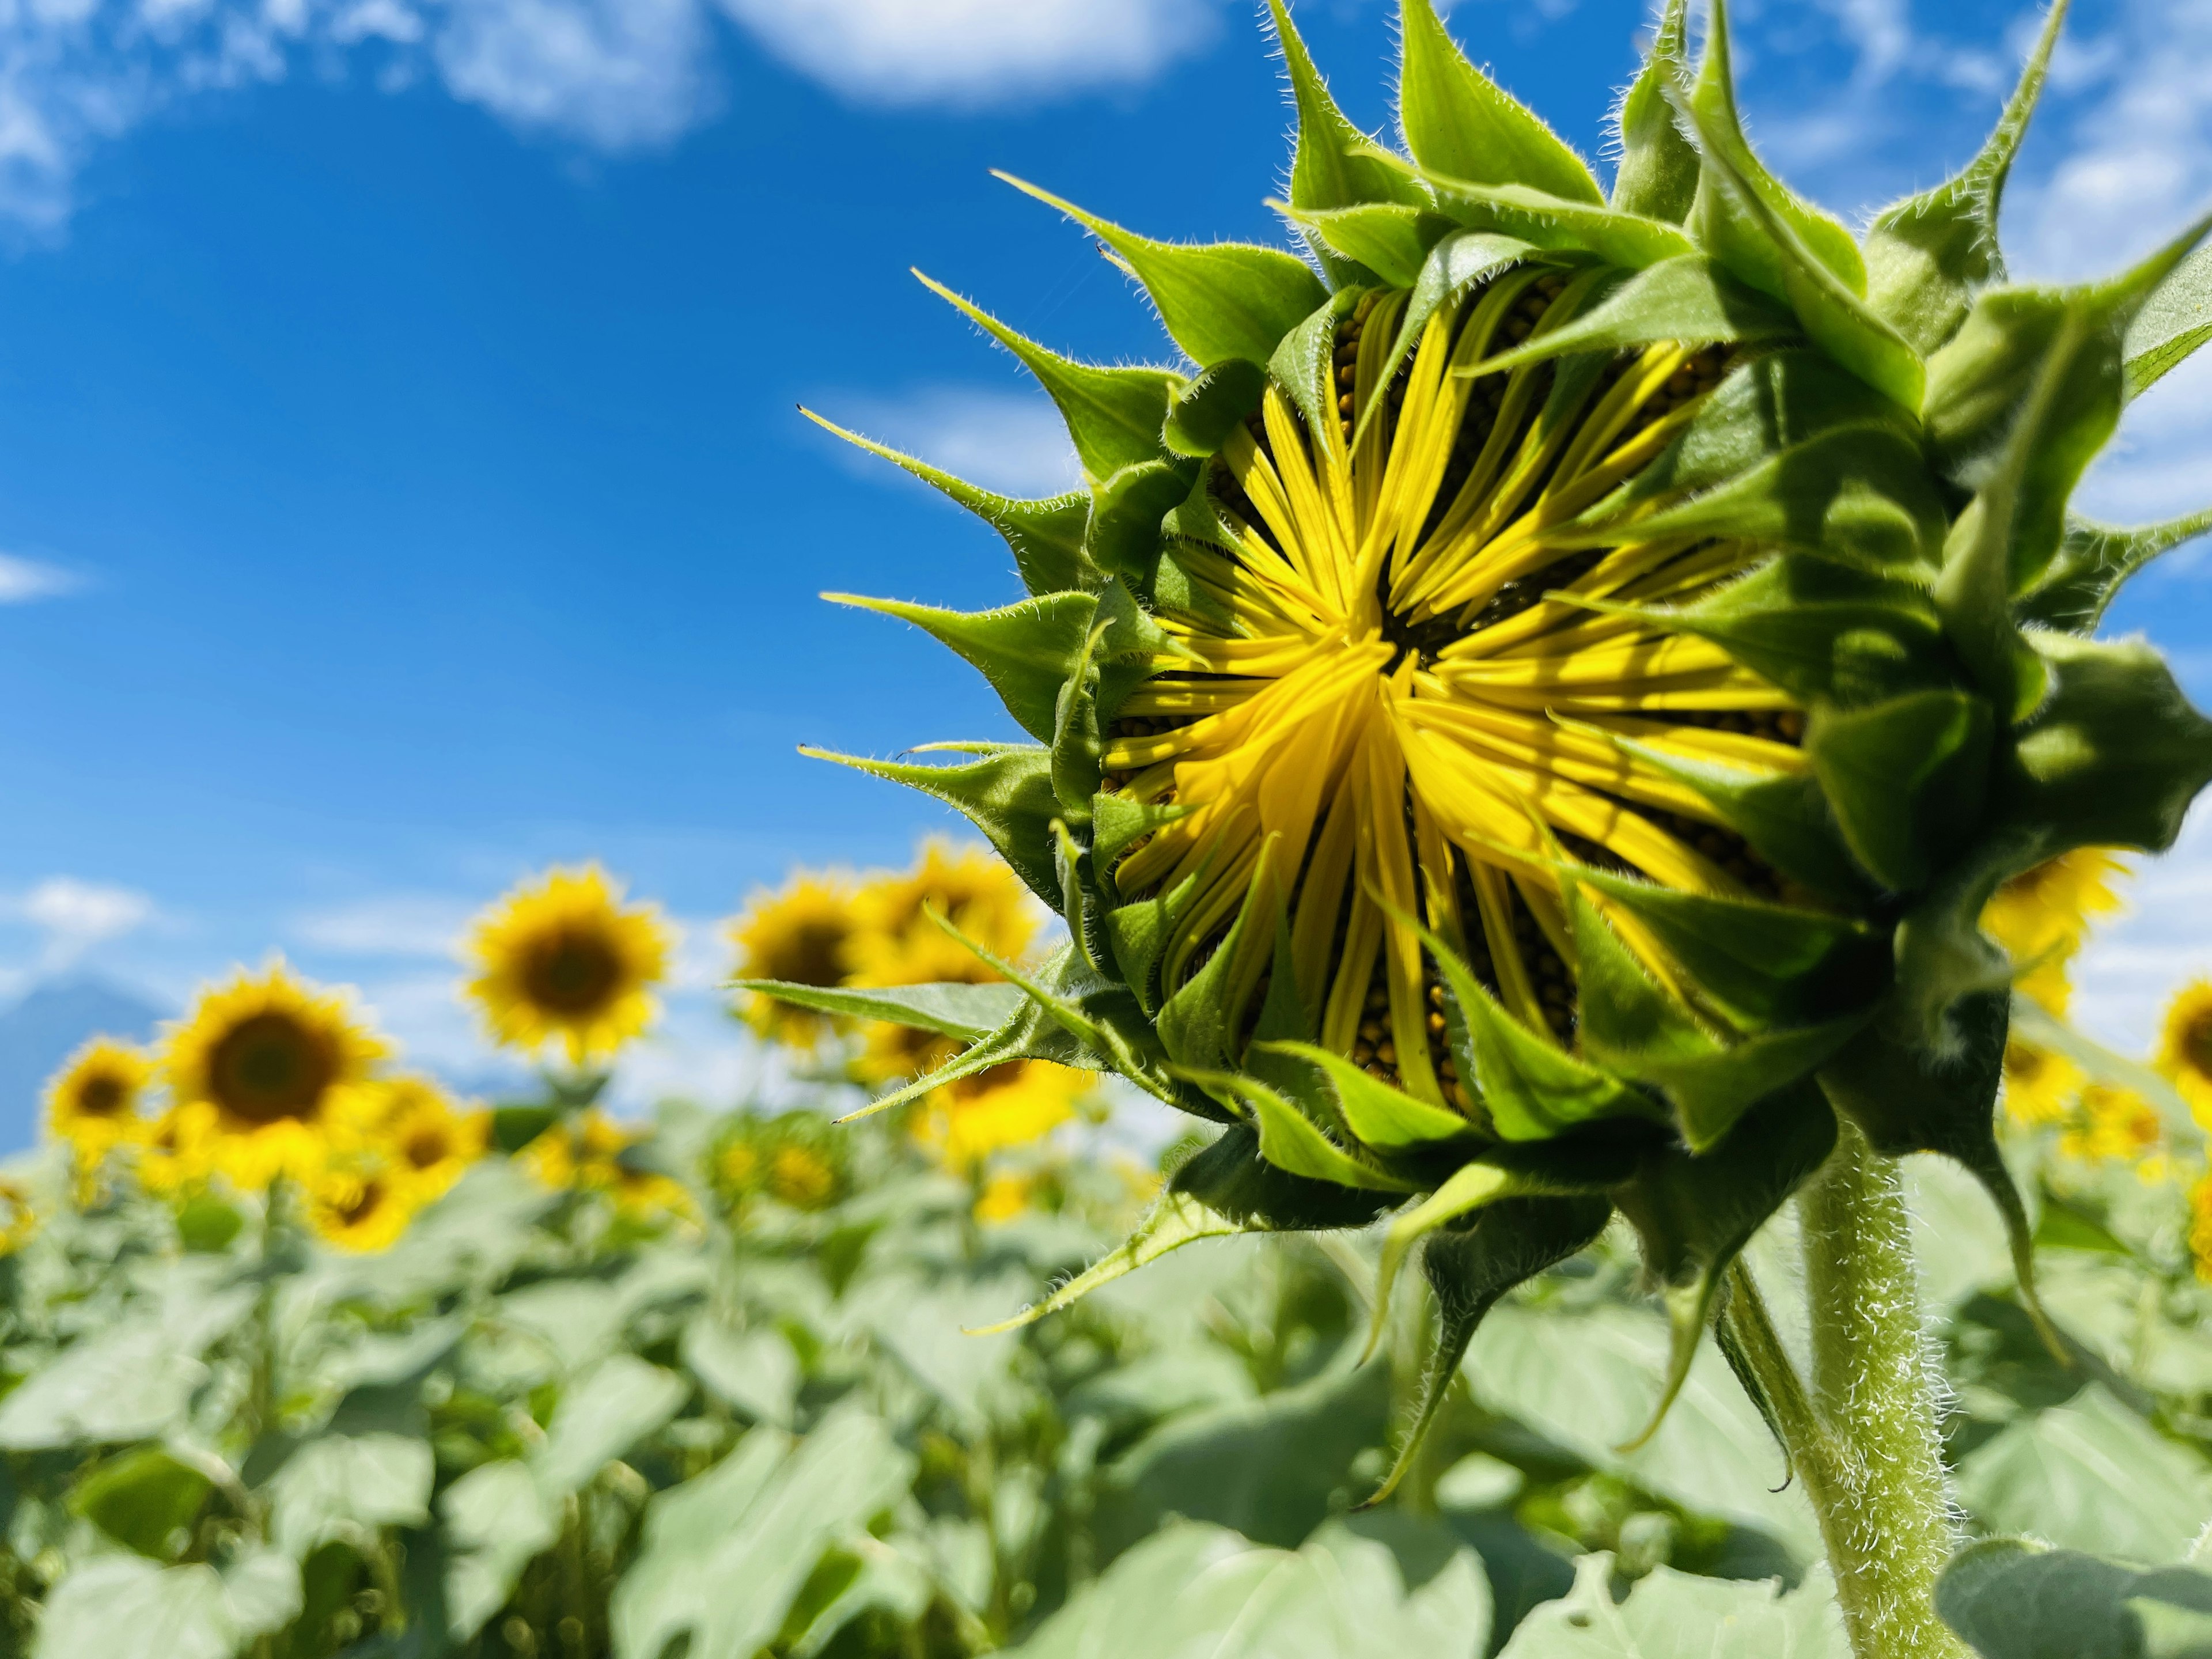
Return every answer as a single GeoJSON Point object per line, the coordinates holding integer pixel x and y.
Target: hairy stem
{"type": "Point", "coordinates": [1884, 1512]}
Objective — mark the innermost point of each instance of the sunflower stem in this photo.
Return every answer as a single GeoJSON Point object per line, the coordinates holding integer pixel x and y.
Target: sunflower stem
{"type": "Point", "coordinates": [1879, 1491]}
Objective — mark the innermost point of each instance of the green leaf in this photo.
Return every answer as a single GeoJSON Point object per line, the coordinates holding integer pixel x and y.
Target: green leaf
{"type": "Point", "coordinates": [1388, 240]}
{"type": "Point", "coordinates": [1658, 172]}
{"type": "Point", "coordinates": [1007, 791]}
{"type": "Point", "coordinates": [1126, 510]}
{"type": "Point", "coordinates": [1214, 405]}
{"type": "Point", "coordinates": [2174, 320]}
{"type": "Point", "coordinates": [128, 1382]}
{"type": "Point", "coordinates": [1688, 298]}
{"type": "Point", "coordinates": [145, 1499]}
{"type": "Point", "coordinates": [1025, 650]}
{"type": "Point", "coordinates": [346, 1488]}
{"type": "Point", "coordinates": [1454, 268]}
{"type": "Point", "coordinates": [1231, 1178]}
{"type": "Point", "coordinates": [1328, 170]}
{"type": "Point", "coordinates": [496, 1522]}
{"type": "Point", "coordinates": [1290, 1141]}
{"type": "Point", "coordinates": [1378, 1116]}
{"type": "Point", "coordinates": [1458, 121]}
{"type": "Point", "coordinates": [953, 1009]}
{"type": "Point", "coordinates": [1905, 779]}
{"type": "Point", "coordinates": [123, 1607]}
{"type": "Point", "coordinates": [724, 1555]}
{"type": "Point", "coordinates": [2013, 1598]}
{"type": "Point", "coordinates": [1674, 1615]}
{"type": "Point", "coordinates": [2094, 560]}
{"type": "Point", "coordinates": [1113, 415]}
{"type": "Point", "coordinates": [1620, 240]}
{"type": "Point", "coordinates": [754, 1372]}
{"type": "Point", "coordinates": [602, 1414]}
{"type": "Point", "coordinates": [1225, 300]}
{"type": "Point", "coordinates": [1046, 536]}
{"type": "Point", "coordinates": [2090, 1473]}
{"type": "Point", "coordinates": [1722, 224]}
{"type": "Point", "coordinates": [1929, 254]}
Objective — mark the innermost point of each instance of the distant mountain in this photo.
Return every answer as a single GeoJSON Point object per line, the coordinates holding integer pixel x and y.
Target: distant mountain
{"type": "Point", "coordinates": [42, 1029]}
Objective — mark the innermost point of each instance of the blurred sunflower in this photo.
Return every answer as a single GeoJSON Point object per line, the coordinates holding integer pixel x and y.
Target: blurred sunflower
{"type": "Point", "coordinates": [563, 960]}
{"type": "Point", "coordinates": [2200, 1227]}
{"type": "Point", "coordinates": [283, 1066]}
{"type": "Point", "coordinates": [1006, 1194]}
{"type": "Point", "coordinates": [801, 933]}
{"type": "Point", "coordinates": [963, 1123]}
{"type": "Point", "coordinates": [897, 943]}
{"type": "Point", "coordinates": [2039, 1086]}
{"type": "Point", "coordinates": [892, 1053]}
{"type": "Point", "coordinates": [585, 1155]}
{"type": "Point", "coordinates": [18, 1219]}
{"type": "Point", "coordinates": [801, 1176]}
{"type": "Point", "coordinates": [2185, 1046]}
{"type": "Point", "coordinates": [360, 1211]}
{"type": "Point", "coordinates": [179, 1149]}
{"type": "Point", "coordinates": [2116, 1125]}
{"type": "Point", "coordinates": [2042, 915]}
{"type": "Point", "coordinates": [428, 1139]}
{"type": "Point", "coordinates": [93, 1101]}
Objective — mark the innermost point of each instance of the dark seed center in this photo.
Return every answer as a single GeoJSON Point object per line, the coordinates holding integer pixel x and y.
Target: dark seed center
{"type": "Point", "coordinates": [571, 972]}
{"type": "Point", "coordinates": [271, 1067]}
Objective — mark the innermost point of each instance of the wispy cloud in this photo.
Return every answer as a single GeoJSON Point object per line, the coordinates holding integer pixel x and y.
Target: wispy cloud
{"type": "Point", "coordinates": [400, 925]}
{"type": "Point", "coordinates": [22, 580]}
{"type": "Point", "coordinates": [75, 916]}
{"type": "Point", "coordinates": [1011, 442]}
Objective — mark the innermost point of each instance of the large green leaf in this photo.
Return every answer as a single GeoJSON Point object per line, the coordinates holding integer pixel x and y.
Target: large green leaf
{"type": "Point", "coordinates": [124, 1608]}
{"type": "Point", "coordinates": [601, 1415]}
{"type": "Point", "coordinates": [2013, 1598]}
{"type": "Point", "coordinates": [497, 1522]}
{"type": "Point", "coordinates": [146, 1498]}
{"type": "Point", "coordinates": [347, 1488]}
{"type": "Point", "coordinates": [1672, 1615]}
{"type": "Point", "coordinates": [128, 1382]}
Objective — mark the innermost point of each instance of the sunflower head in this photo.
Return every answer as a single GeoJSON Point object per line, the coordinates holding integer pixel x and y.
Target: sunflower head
{"type": "Point", "coordinates": [283, 1066]}
{"type": "Point", "coordinates": [19, 1219]}
{"type": "Point", "coordinates": [93, 1102]}
{"type": "Point", "coordinates": [425, 1137]}
{"type": "Point", "coordinates": [2040, 1086]}
{"type": "Point", "coordinates": [2042, 917]}
{"type": "Point", "coordinates": [898, 939]}
{"type": "Point", "coordinates": [563, 961]}
{"type": "Point", "coordinates": [802, 934]}
{"type": "Point", "coordinates": [180, 1149]}
{"type": "Point", "coordinates": [2185, 1046]}
{"type": "Point", "coordinates": [1014, 1104]}
{"type": "Point", "coordinates": [1528, 709]}
{"type": "Point", "coordinates": [361, 1211]}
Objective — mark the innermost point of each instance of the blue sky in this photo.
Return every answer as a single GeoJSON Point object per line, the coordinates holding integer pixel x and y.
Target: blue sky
{"type": "Point", "coordinates": [401, 484]}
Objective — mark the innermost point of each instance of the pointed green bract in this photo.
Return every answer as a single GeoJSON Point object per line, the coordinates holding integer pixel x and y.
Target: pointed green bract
{"type": "Point", "coordinates": [2094, 560]}
{"type": "Point", "coordinates": [1025, 650]}
{"type": "Point", "coordinates": [1327, 169]}
{"type": "Point", "coordinates": [1557, 223]}
{"type": "Point", "coordinates": [1006, 792]}
{"type": "Point", "coordinates": [1382, 1119]}
{"type": "Point", "coordinates": [1928, 255]}
{"type": "Point", "coordinates": [1905, 778]}
{"type": "Point", "coordinates": [1688, 298]}
{"type": "Point", "coordinates": [2174, 320]}
{"type": "Point", "coordinates": [1459, 122]}
{"type": "Point", "coordinates": [970, 1012]}
{"type": "Point", "coordinates": [1381, 242]}
{"type": "Point", "coordinates": [1658, 174]}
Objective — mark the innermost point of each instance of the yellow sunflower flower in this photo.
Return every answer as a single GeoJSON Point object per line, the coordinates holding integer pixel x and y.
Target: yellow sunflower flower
{"type": "Point", "coordinates": [801, 934]}
{"type": "Point", "coordinates": [18, 1218]}
{"type": "Point", "coordinates": [361, 1211]}
{"type": "Point", "coordinates": [2115, 1125]}
{"type": "Point", "coordinates": [1005, 1196]}
{"type": "Point", "coordinates": [801, 1177]}
{"type": "Point", "coordinates": [2200, 1226]}
{"type": "Point", "coordinates": [179, 1154]}
{"type": "Point", "coordinates": [283, 1066]}
{"type": "Point", "coordinates": [563, 960]}
{"type": "Point", "coordinates": [898, 944]}
{"type": "Point", "coordinates": [428, 1141]}
{"type": "Point", "coordinates": [965, 1122]}
{"type": "Point", "coordinates": [2185, 1046]}
{"type": "Point", "coordinates": [892, 1053]}
{"type": "Point", "coordinates": [585, 1155]}
{"type": "Point", "coordinates": [93, 1101]}
{"type": "Point", "coordinates": [2039, 1086]}
{"type": "Point", "coordinates": [2042, 917]}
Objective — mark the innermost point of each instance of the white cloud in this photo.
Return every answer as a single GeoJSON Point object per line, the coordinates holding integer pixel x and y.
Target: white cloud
{"type": "Point", "coordinates": [1014, 442]}
{"type": "Point", "coordinates": [909, 52]}
{"type": "Point", "coordinates": [617, 73]}
{"type": "Point", "coordinates": [22, 580]}
{"type": "Point", "coordinates": [75, 916]}
{"type": "Point", "coordinates": [397, 925]}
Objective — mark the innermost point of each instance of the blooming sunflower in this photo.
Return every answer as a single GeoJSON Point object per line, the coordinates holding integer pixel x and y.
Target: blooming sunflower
{"type": "Point", "coordinates": [2200, 1227]}
{"type": "Point", "coordinates": [284, 1067]}
{"type": "Point", "coordinates": [2039, 1085]}
{"type": "Point", "coordinates": [1008, 1193]}
{"type": "Point", "coordinates": [563, 960]}
{"type": "Point", "coordinates": [19, 1219]}
{"type": "Point", "coordinates": [2185, 1046]}
{"type": "Point", "coordinates": [2042, 915]}
{"type": "Point", "coordinates": [361, 1211]}
{"type": "Point", "coordinates": [1529, 710]}
{"type": "Point", "coordinates": [896, 940]}
{"type": "Point", "coordinates": [801, 1176]}
{"type": "Point", "coordinates": [2115, 1125]}
{"type": "Point", "coordinates": [585, 1154]}
{"type": "Point", "coordinates": [801, 934]}
{"type": "Point", "coordinates": [964, 1123]}
{"type": "Point", "coordinates": [428, 1141]}
{"type": "Point", "coordinates": [93, 1101]}
{"type": "Point", "coordinates": [179, 1149]}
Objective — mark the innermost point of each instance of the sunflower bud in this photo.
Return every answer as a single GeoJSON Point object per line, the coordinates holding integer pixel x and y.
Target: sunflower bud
{"type": "Point", "coordinates": [1526, 719]}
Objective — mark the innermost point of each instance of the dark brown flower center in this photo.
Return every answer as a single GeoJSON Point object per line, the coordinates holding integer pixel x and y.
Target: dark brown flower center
{"type": "Point", "coordinates": [813, 953]}
{"type": "Point", "coordinates": [571, 972]}
{"type": "Point", "coordinates": [363, 1204]}
{"type": "Point", "coordinates": [271, 1067]}
{"type": "Point", "coordinates": [2196, 1043]}
{"type": "Point", "coordinates": [426, 1147]}
{"type": "Point", "coordinates": [105, 1096]}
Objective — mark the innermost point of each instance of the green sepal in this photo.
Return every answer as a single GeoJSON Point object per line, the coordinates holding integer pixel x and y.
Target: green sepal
{"type": "Point", "coordinates": [2030, 389]}
{"type": "Point", "coordinates": [1006, 792]}
{"type": "Point", "coordinates": [1529, 1087]}
{"type": "Point", "coordinates": [1826, 634]}
{"type": "Point", "coordinates": [1719, 221]}
{"type": "Point", "coordinates": [1383, 1120]}
{"type": "Point", "coordinates": [1455, 266]}
{"type": "Point", "coordinates": [1290, 1141]}
{"type": "Point", "coordinates": [1113, 415]}
{"type": "Point", "coordinates": [1928, 255]}
{"type": "Point", "coordinates": [1138, 932]}
{"type": "Point", "coordinates": [1046, 536]}
{"type": "Point", "coordinates": [1026, 651]}
{"type": "Point", "coordinates": [1202, 1025]}
{"type": "Point", "coordinates": [1827, 303]}
{"type": "Point", "coordinates": [1174, 1220]}
{"type": "Point", "coordinates": [1635, 1028]}
{"type": "Point", "coordinates": [1762, 963]}
{"type": "Point", "coordinates": [1458, 121]}
{"type": "Point", "coordinates": [1221, 300]}
{"type": "Point", "coordinates": [1905, 779]}
{"type": "Point", "coordinates": [1375, 241]}
{"type": "Point", "coordinates": [1127, 513]}
{"type": "Point", "coordinates": [1973, 599]}
{"type": "Point", "coordinates": [1551, 222]}
{"type": "Point", "coordinates": [2112, 759]}
{"type": "Point", "coordinates": [1117, 653]}
{"type": "Point", "coordinates": [1232, 1179]}
{"type": "Point", "coordinates": [954, 1008]}
{"type": "Point", "coordinates": [1213, 406]}
{"type": "Point", "coordinates": [2174, 320]}
{"type": "Point", "coordinates": [1468, 1268]}
{"type": "Point", "coordinates": [1077, 909]}
{"type": "Point", "coordinates": [1785, 819]}
{"type": "Point", "coordinates": [2094, 560]}
{"type": "Point", "coordinates": [1689, 298]}
{"type": "Point", "coordinates": [1117, 824]}
{"type": "Point", "coordinates": [1303, 365]}
{"type": "Point", "coordinates": [1658, 176]}
{"type": "Point", "coordinates": [1694, 1213]}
